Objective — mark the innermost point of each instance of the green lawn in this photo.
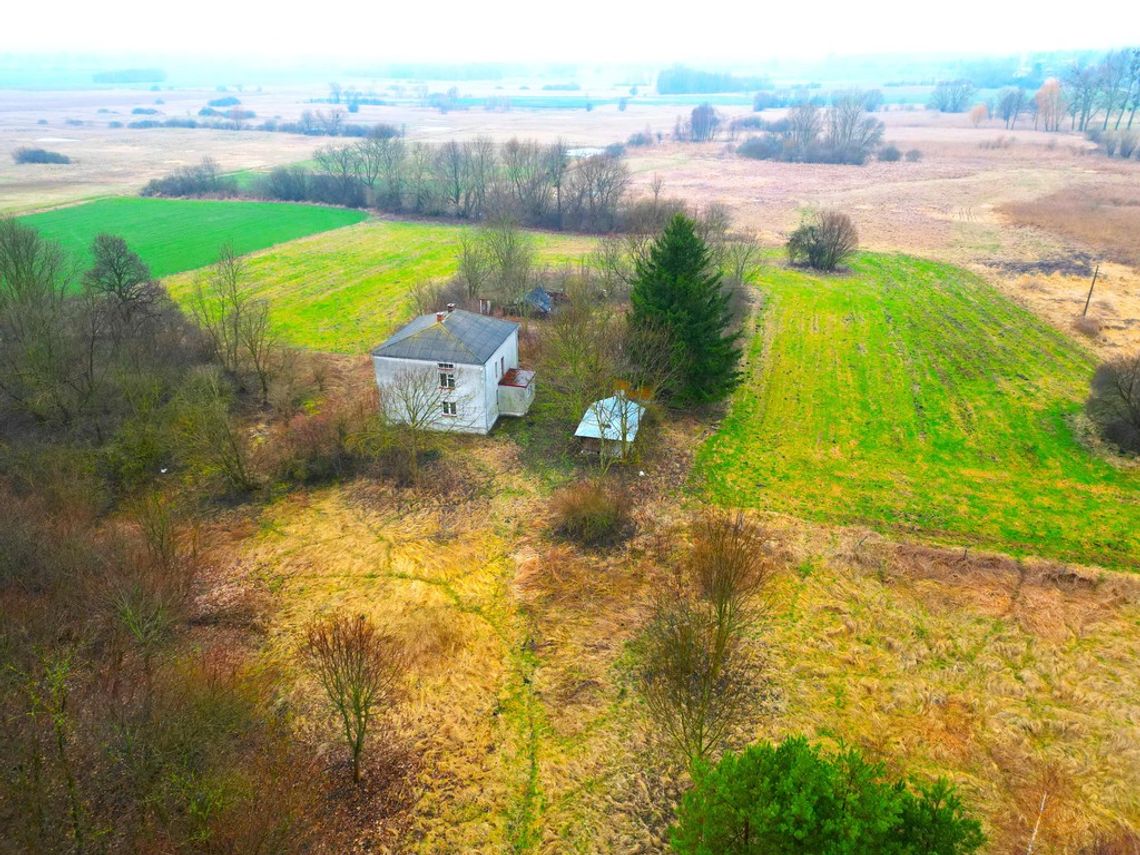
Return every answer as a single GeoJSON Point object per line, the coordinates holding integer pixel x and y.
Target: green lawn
{"type": "Point", "coordinates": [344, 291]}
{"type": "Point", "coordinates": [912, 397]}
{"type": "Point", "coordinates": [173, 235]}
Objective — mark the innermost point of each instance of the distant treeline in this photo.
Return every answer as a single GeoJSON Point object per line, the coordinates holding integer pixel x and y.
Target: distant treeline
{"type": "Point", "coordinates": [312, 123]}
{"type": "Point", "coordinates": [680, 80]}
{"type": "Point", "coordinates": [460, 71]}
{"type": "Point", "coordinates": [524, 181]}
{"type": "Point", "coordinates": [130, 75]}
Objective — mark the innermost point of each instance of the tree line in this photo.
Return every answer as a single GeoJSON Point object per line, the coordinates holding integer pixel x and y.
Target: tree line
{"type": "Point", "coordinates": [531, 183]}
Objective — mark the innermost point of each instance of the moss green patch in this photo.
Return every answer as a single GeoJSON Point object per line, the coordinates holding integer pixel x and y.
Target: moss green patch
{"type": "Point", "coordinates": [173, 235]}
{"type": "Point", "coordinates": [911, 396]}
{"type": "Point", "coordinates": [346, 290]}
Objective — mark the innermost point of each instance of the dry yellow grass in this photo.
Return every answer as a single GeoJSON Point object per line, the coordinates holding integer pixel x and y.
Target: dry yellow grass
{"type": "Point", "coordinates": [1009, 679]}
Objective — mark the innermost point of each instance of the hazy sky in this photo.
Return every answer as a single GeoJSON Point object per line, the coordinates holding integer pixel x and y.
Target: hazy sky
{"type": "Point", "coordinates": [577, 30]}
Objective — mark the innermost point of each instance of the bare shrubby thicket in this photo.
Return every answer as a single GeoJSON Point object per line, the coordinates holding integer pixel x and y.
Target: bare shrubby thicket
{"type": "Point", "coordinates": [1114, 402]}
{"type": "Point", "coordinates": [590, 513]}
{"type": "Point", "coordinates": [693, 673]}
{"type": "Point", "coordinates": [823, 241]}
{"type": "Point", "coordinates": [841, 133]}
{"type": "Point", "coordinates": [205, 179]}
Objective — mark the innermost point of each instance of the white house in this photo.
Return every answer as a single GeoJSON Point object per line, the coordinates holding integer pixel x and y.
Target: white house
{"type": "Point", "coordinates": [453, 371]}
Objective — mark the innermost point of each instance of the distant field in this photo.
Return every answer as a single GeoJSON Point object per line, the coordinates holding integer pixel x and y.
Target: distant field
{"type": "Point", "coordinates": [912, 397]}
{"type": "Point", "coordinates": [173, 235]}
{"type": "Point", "coordinates": [345, 290]}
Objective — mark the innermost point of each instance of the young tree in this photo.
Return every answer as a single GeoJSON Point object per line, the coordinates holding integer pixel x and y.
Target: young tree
{"type": "Point", "coordinates": [416, 405]}
{"type": "Point", "coordinates": [693, 677]}
{"type": "Point", "coordinates": [793, 798]}
{"type": "Point", "coordinates": [360, 669]}
{"type": "Point", "coordinates": [1011, 103]}
{"type": "Point", "coordinates": [703, 123]}
{"type": "Point", "coordinates": [236, 324]}
{"type": "Point", "coordinates": [1050, 103]}
{"type": "Point", "coordinates": [676, 289]}
{"type": "Point", "coordinates": [823, 240]}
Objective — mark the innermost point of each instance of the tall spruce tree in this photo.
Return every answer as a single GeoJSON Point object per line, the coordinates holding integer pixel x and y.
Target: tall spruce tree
{"type": "Point", "coordinates": [677, 288]}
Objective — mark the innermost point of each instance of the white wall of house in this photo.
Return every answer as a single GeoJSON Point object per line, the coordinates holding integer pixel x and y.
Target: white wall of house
{"type": "Point", "coordinates": [501, 361]}
{"type": "Point", "coordinates": [476, 387]}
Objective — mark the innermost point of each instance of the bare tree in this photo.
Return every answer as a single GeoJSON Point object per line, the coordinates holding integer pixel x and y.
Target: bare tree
{"type": "Point", "coordinates": [417, 403]}
{"type": "Point", "coordinates": [1050, 104]}
{"type": "Point", "coordinates": [1011, 103]}
{"type": "Point", "coordinates": [474, 265]}
{"type": "Point", "coordinates": [741, 257]}
{"type": "Point", "coordinates": [805, 122]}
{"type": "Point", "coordinates": [693, 673]}
{"type": "Point", "coordinates": [510, 253]}
{"type": "Point", "coordinates": [952, 96]}
{"type": "Point", "coordinates": [119, 273]}
{"type": "Point", "coordinates": [1114, 402]}
{"type": "Point", "coordinates": [360, 668]}
{"type": "Point", "coordinates": [704, 121]}
{"type": "Point", "coordinates": [236, 323]}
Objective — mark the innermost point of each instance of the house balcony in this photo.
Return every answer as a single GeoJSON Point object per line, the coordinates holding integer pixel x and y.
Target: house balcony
{"type": "Point", "coordinates": [516, 392]}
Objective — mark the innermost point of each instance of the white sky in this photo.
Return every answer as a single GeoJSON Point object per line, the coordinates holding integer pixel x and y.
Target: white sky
{"type": "Point", "coordinates": [574, 31]}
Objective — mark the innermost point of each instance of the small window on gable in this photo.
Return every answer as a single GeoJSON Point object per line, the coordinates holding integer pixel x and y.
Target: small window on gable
{"type": "Point", "coordinates": [450, 408]}
{"type": "Point", "coordinates": [502, 365]}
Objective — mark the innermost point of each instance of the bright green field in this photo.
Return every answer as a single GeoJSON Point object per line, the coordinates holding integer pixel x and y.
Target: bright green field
{"type": "Point", "coordinates": [345, 291]}
{"type": "Point", "coordinates": [910, 396]}
{"type": "Point", "coordinates": [173, 235]}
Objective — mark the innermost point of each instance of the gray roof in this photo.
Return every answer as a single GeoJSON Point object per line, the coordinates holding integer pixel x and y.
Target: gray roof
{"type": "Point", "coordinates": [461, 337]}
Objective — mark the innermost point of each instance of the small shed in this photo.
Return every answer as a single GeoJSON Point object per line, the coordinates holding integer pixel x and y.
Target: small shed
{"type": "Point", "coordinates": [539, 301]}
{"type": "Point", "coordinates": [609, 426]}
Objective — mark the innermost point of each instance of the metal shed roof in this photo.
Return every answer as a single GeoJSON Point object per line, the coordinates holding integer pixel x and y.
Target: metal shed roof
{"type": "Point", "coordinates": [604, 419]}
{"type": "Point", "coordinates": [460, 337]}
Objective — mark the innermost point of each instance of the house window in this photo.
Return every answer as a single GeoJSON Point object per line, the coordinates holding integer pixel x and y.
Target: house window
{"type": "Point", "coordinates": [446, 375]}
{"type": "Point", "coordinates": [450, 408]}
{"type": "Point", "coordinates": [502, 365]}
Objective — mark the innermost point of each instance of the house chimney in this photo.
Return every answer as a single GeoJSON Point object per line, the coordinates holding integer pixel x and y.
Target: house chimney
{"type": "Point", "coordinates": [450, 308]}
{"type": "Point", "coordinates": [439, 316]}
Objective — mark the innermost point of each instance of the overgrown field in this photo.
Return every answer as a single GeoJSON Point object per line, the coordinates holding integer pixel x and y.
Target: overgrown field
{"type": "Point", "coordinates": [1012, 681]}
{"type": "Point", "coordinates": [173, 235]}
{"type": "Point", "coordinates": [912, 397]}
{"type": "Point", "coordinates": [344, 291]}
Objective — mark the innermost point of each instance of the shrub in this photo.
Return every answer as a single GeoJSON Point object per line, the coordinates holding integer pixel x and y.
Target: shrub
{"type": "Point", "coordinates": [39, 155]}
{"type": "Point", "coordinates": [114, 124]}
{"type": "Point", "coordinates": [792, 797]}
{"type": "Point", "coordinates": [640, 138]}
{"type": "Point", "coordinates": [890, 154]}
{"type": "Point", "coordinates": [913, 155]}
{"type": "Point", "coordinates": [1087, 326]}
{"type": "Point", "coordinates": [200, 180]}
{"type": "Point", "coordinates": [823, 241]}
{"type": "Point", "coordinates": [144, 111]}
{"type": "Point", "coordinates": [765, 147]}
{"type": "Point", "coordinates": [227, 101]}
{"type": "Point", "coordinates": [1114, 402]}
{"type": "Point", "coordinates": [589, 513]}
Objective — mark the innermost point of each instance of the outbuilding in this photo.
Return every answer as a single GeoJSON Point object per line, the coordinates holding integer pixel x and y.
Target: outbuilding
{"type": "Point", "coordinates": [609, 426]}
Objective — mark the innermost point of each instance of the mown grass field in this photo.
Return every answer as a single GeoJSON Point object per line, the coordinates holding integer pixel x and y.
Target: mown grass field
{"type": "Point", "coordinates": [173, 235]}
{"type": "Point", "coordinates": [912, 397]}
{"type": "Point", "coordinates": [344, 291]}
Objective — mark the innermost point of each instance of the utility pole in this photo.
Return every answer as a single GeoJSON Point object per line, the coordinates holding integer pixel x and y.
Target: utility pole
{"type": "Point", "coordinates": [1089, 298]}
